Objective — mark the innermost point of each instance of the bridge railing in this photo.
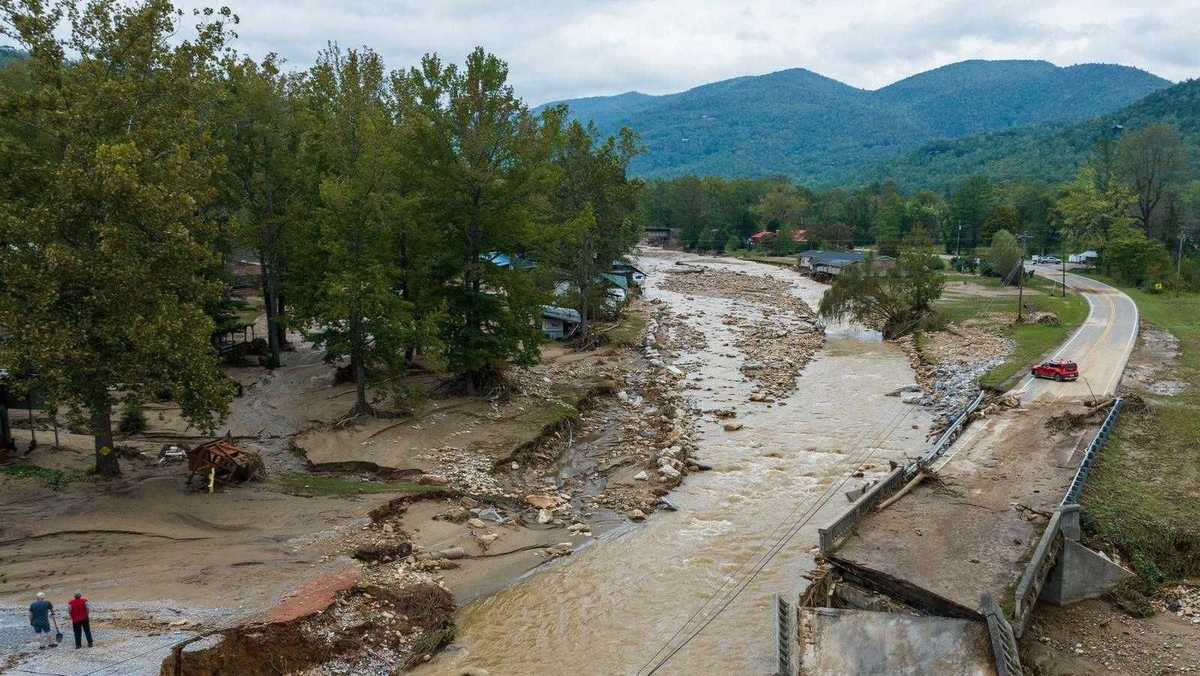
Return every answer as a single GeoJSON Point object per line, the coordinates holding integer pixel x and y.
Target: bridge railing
{"type": "Point", "coordinates": [833, 536]}
{"type": "Point", "coordinates": [1092, 453]}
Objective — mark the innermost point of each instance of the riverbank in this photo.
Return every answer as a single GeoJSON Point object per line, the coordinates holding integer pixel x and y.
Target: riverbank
{"type": "Point", "coordinates": [613, 605]}
{"type": "Point", "coordinates": [465, 495]}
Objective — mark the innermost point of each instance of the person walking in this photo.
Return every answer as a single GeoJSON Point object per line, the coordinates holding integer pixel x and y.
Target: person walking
{"type": "Point", "coordinates": [78, 608]}
{"type": "Point", "coordinates": [40, 612]}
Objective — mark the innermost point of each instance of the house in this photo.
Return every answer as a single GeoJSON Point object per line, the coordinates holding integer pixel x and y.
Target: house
{"type": "Point", "coordinates": [509, 261]}
{"type": "Point", "coordinates": [559, 322]}
{"type": "Point", "coordinates": [1087, 258]}
{"type": "Point", "coordinates": [758, 238]}
{"type": "Point", "coordinates": [825, 265]}
{"type": "Point", "coordinates": [617, 286]}
{"type": "Point", "coordinates": [664, 237]}
{"type": "Point", "coordinates": [633, 276]}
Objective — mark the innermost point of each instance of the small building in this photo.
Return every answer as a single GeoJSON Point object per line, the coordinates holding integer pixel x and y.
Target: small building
{"type": "Point", "coordinates": [559, 322]}
{"type": "Point", "coordinates": [825, 265]}
{"type": "Point", "coordinates": [1087, 258]}
{"type": "Point", "coordinates": [633, 276]}
{"type": "Point", "coordinates": [509, 261]}
{"type": "Point", "coordinates": [617, 286]}
{"type": "Point", "coordinates": [763, 236]}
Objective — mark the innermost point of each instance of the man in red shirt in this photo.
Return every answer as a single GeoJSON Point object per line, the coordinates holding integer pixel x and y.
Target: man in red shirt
{"type": "Point", "coordinates": [79, 619]}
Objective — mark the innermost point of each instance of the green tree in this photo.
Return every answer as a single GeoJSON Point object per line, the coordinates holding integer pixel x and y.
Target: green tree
{"type": "Point", "coordinates": [1005, 256]}
{"type": "Point", "coordinates": [261, 134]}
{"type": "Point", "coordinates": [897, 300]}
{"type": "Point", "coordinates": [969, 208]}
{"type": "Point", "coordinates": [107, 255]}
{"type": "Point", "coordinates": [781, 208]}
{"type": "Point", "coordinates": [349, 297]}
{"type": "Point", "coordinates": [1151, 160]}
{"type": "Point", "coordinates": [1088, 212]}
{"type": "Point", "coordinates": [1134, 258]}
{"type": "Point", "coordinates": [483, 168]}
{"type": "Point", "coordinates": [595, 201]}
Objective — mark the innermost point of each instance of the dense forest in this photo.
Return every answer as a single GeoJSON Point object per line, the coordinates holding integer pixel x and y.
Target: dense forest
{"type": "Point", "coordinates": [1049, 152]}
{"type": "Point", "coordinates": [1136, 200]}
{"type": "Point", "coordinates": [140, 156]}
{"type": "Point", "coordinates": [822, 132]}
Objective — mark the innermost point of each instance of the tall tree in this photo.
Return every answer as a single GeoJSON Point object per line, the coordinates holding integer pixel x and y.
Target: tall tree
{"type": "Point", "coordinates": [896, 299]}
{"type": "Point", "coordinates": [106, 257]}
{"type": "Point", "coordinates": [594, 203]}
{"type": "Point", "coordinates": [1151, 160]}
{"type": "Point", "coordinates": [262, 137]}
{"type": "Point", "coordinates": [349, 298]}
{"type": "Point", "coordinates": [483, 168]}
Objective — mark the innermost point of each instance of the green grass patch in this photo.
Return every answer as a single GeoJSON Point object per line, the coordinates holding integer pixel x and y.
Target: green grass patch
{"type": "Point", "coordinates": [1032, 341]}
{"type": "Point", "coordinates": [1144, 494]}
{"type": "Point", "coordinates": [627, 331]}
{"type": "Point", "coordinates": [54, 478]}
{"type": "Point", "coordinates": [314, 485]}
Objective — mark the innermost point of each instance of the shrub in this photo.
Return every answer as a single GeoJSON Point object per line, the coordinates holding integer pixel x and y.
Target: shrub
{"type": "Point", "coordinates": [133, 419]}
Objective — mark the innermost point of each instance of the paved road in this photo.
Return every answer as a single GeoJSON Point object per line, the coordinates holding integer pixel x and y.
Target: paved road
{"type": "Point", "coordinates": [1101, 346]}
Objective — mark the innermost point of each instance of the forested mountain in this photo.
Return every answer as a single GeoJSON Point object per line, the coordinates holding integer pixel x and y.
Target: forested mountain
{"type": "Point", "coordinates": [821, 131]}
{"type": "Point", "coordinates": [1050, 153]}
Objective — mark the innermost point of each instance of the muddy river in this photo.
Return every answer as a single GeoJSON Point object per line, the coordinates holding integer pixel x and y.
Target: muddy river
{"type": "Point", "coordinates": [608, 608]}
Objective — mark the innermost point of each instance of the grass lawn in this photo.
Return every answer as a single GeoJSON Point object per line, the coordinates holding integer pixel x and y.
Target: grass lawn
{"type": "Point", "coordinates": [312, 485]}
{"type": "Point", "coordinates": [1144, 495]}
{"type": "Point", "coordinates": [1033, 341]}
{"type": "Point", "coordinates": [628, 330]}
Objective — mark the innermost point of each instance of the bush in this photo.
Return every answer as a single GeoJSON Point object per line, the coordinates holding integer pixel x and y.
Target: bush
{"type": "Point", "coordinates": [1005, 256]}
{"type": "Point", "coordinates": [964, 264]}
{"type": "Point", "coordinates": [133, 419]}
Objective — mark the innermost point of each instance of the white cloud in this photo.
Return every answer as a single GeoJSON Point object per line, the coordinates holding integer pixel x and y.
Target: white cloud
{"type": "Point", "coordinates": [576, 48]}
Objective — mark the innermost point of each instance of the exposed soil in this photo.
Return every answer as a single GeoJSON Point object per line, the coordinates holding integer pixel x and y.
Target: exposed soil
{"type": "Point", "coordinates": [1152, 364]}
{"type": "Point", "coordinates": [1093, 637]}
{"type": "Point", "coordinates": [949, 363]}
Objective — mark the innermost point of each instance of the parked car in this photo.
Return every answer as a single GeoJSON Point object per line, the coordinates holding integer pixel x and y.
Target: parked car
{"type": "Point", "coordinates": [1056, 370]}
{"type": "Point", "coordinates": [1051, 260]}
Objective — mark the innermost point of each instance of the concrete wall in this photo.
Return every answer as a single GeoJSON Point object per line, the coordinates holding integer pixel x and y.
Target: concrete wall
{"type": "Point", "coordinates": [837, 641]}
{"type": "Point", "coordinates": [1080, 574]}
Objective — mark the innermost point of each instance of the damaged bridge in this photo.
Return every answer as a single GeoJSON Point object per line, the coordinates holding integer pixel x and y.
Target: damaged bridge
{"type": "Point", "coordinates": [937, 568]}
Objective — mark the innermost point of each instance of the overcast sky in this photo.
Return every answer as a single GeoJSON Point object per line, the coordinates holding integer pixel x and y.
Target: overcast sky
{"type": "Point", "coordinates": [569, 48]}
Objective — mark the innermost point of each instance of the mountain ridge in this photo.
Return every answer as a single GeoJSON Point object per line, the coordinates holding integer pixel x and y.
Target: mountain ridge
{"type": "Point", "coordinates": [822, 131]}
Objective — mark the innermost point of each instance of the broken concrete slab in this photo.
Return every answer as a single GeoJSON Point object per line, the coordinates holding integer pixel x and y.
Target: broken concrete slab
{"type": "Point", "coordinates": [843, 641]}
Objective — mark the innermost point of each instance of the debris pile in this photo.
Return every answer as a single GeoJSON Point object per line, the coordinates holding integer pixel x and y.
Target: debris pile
{"type": "Point", "coordinates": [948, 365]}
{"type": "Point", "coordinates": [776, 349]}
{"type": "Point", "coordinates": [221, 462]}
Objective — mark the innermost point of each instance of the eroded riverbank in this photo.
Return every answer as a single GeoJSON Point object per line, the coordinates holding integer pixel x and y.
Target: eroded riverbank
{"type": "Point", "coordinates": [610, 607]}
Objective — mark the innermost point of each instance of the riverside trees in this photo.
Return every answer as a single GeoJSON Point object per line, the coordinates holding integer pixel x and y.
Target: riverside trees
{"type": "Point", "coordinates": [107, 255]}
{"type": "Point", "coordinates": [375, 201]}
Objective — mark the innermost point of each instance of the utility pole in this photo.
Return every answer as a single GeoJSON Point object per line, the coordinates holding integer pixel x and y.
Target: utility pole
{"type": "Point", "coordinates": [1023, 238]}
{"type": "Point", "coordinates": [958, 243]}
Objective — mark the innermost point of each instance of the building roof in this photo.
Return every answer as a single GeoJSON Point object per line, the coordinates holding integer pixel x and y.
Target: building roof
{"type": "Point", "coordinates": [836, 258]}
{"type": "Point", "coordinates": [503, 260]}
{"type": "Point", "coordinates": [563, 313]}
{"type": "Point", "coordinates": [623, 266]}
{"type": "Point", "coordinates": [618, 281]}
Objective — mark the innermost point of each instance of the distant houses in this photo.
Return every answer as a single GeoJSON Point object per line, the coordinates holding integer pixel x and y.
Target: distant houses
{"type": "Point", "coordinates": [760, 238]}
{"type": "Point", "coordinates": [621, 283]}
{"type": "Point", "coordinates": [823, 266]}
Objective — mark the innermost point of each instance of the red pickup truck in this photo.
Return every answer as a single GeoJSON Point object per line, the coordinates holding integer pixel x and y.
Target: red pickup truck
{"type": "Point", "coordinates": [1057, 370]}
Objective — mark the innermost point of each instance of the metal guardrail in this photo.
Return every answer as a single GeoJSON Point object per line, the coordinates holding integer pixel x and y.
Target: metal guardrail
{"type": "Point", "coordinates": [946, 439]}
{"type": "Point", "coordinates": [1004, 640]}
{"type": "Point", "coordinates": [1093, 452]}
{"type": "Point", "coordinates": [783, 635]}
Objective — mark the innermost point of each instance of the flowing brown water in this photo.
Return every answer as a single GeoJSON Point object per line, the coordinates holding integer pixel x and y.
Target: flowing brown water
{"type": "Point", "coordinates": [608, 608]}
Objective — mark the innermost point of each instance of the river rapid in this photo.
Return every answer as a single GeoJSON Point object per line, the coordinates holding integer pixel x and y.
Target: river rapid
{"type": "Point", "coordinates": [608, 608]}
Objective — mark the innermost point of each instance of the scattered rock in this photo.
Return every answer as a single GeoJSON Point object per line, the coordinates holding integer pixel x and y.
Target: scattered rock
{"type": "Point", "coordinates": [636, 514]}
{"type": "Point", "coordinates": [733, 427]}
{"type": "Point", "coordinates": [641, 476]}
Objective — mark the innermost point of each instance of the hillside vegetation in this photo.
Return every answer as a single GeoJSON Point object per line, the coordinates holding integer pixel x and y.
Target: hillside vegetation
{"type": "Point", "coordinates": [1051, 152]}
{"type": "Point", "coordinates": [823, 132]}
